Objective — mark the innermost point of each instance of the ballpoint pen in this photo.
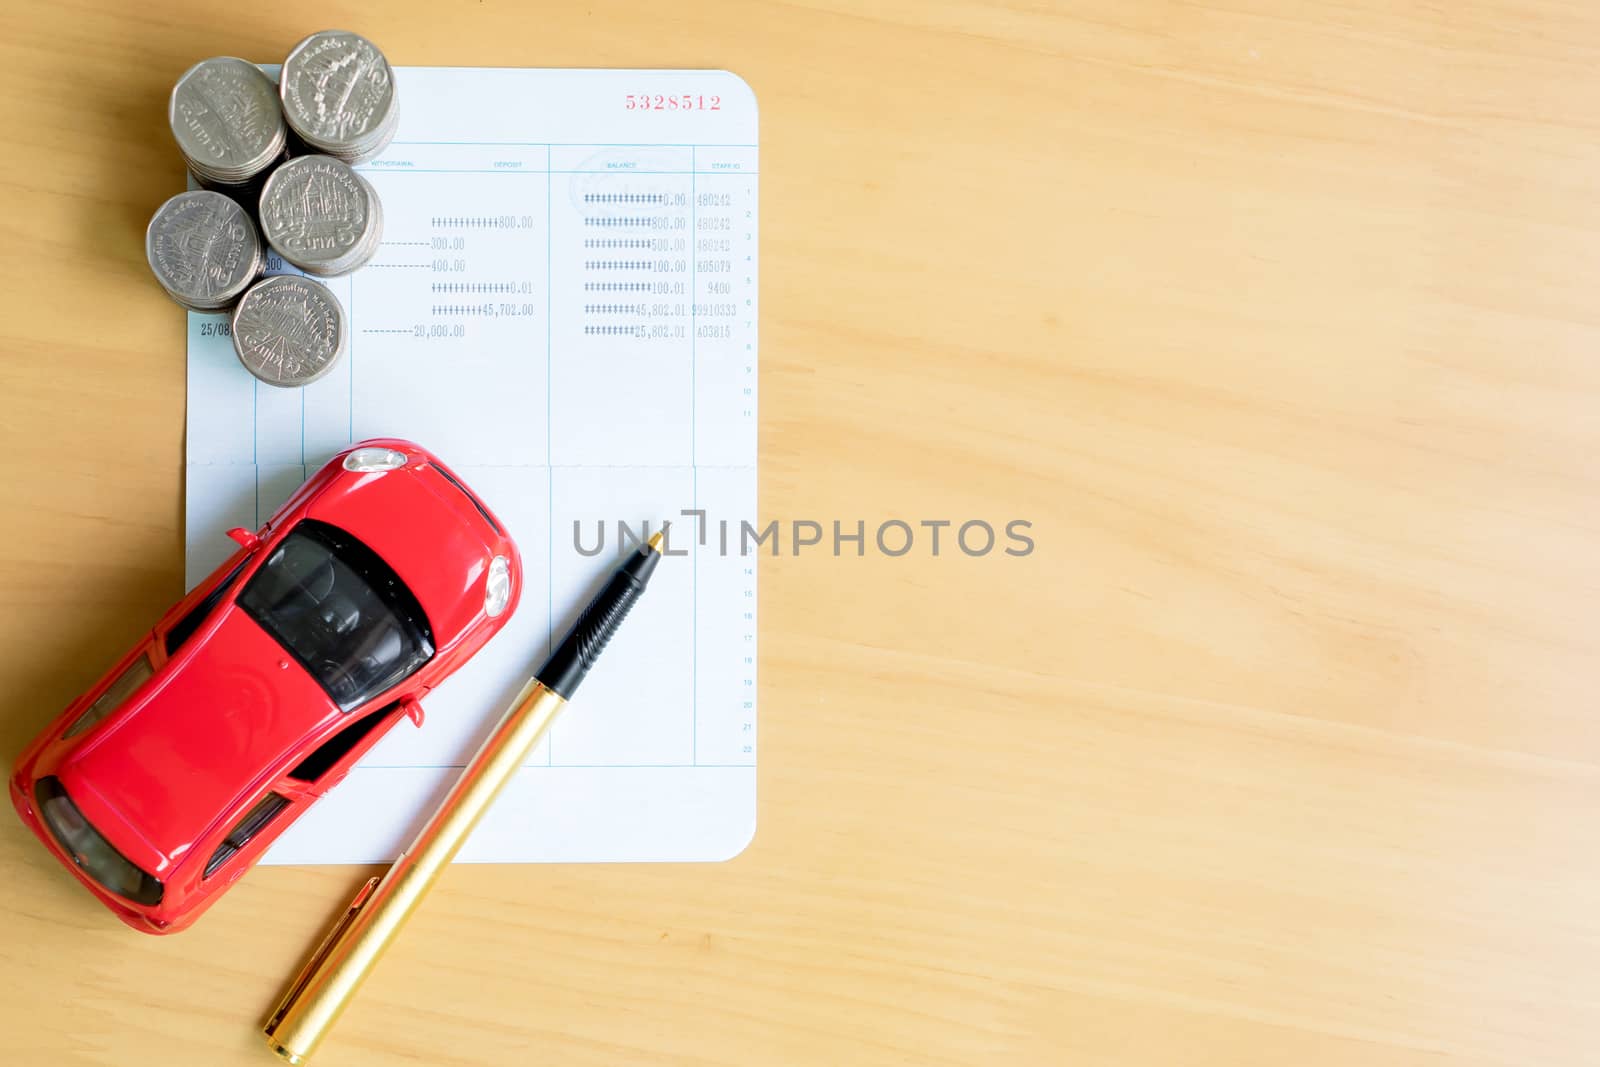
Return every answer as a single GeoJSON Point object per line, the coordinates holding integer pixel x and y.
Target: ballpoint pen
{"type": "Point", "coordinates": [318, 994]}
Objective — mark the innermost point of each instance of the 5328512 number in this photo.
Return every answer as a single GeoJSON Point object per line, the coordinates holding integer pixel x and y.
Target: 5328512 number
{"type": "Point", "coordinates": [671, 102]}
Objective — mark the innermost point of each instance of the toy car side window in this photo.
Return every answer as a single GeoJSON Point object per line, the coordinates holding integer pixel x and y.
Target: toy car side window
{"type": "Point", "coordinates": [341, 611]}
{"type": "Point", "coordinates": [136, 674]}
{"type": "Point", "coordinates": [254, 821]}
{"type": "Point", "coordinates": [337, 747]}
{"type": "Point", "coordinates": [185, 627]}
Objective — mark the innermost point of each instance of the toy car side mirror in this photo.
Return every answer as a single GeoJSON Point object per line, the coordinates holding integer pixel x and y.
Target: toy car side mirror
{"type": "Point", "coordinates": [246, 538]}
{"type": "Point", "coordinates": [412, 710]}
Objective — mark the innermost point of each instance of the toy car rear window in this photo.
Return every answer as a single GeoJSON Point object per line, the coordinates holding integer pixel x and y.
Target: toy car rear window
{"type": "Point", "coordinates": [341, 611]}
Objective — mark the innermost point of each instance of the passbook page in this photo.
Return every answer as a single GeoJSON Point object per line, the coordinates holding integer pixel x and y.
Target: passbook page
{"type": "Point", "coordinates": [563, 308]}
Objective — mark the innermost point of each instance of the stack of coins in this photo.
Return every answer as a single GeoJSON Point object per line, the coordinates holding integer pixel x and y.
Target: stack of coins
{"type": "Point", "coordinates": [288, 330]}
{"type": "Point", "coordinates": [235, 128]}
{"type": "Point", "coordinates": [227, 121]}
{"type": "Point", "coordinates": [338, 95]}
{"type": "Point", "coordinates": [321, 216]}
{"type": "Point", "coordinates": [204, 250]}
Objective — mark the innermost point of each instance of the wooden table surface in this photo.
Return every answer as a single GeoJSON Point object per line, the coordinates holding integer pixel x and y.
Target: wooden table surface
{"type": "Point", "coordinates": [1280, 323]}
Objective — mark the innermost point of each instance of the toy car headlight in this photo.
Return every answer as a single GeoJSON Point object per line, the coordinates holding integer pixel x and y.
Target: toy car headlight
{"type": "Point", "coordinates": [497, 591]}
{"type": "Point", "coordinates": [368, 460]}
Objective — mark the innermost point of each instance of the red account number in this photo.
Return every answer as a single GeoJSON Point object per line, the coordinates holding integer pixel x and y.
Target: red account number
{"type": "Point", "coordinates": [658, 102]}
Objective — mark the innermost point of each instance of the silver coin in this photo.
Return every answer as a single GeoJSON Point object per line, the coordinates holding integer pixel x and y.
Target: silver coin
{"type": "Point", "coordinates": [227, 119]}
{"type": "Point", "coordinates": [248, 190]}
{"type": "Point", "coordinates": [320, 215]}
{"type": "Point", "coordinates": [338, 94]}
{"type": "Point", "coordinates": [288, 330]}
{"type": "Point", "coordinates": [375, 230]}
{"type": "Point", "coordinates": [203, 249]}
{"type": "Point", "coordinates": [381, 142]}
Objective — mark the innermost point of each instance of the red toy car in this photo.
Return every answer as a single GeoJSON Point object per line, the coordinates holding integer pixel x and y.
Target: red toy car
{"type": "Point", "coordinates": [258, 692]}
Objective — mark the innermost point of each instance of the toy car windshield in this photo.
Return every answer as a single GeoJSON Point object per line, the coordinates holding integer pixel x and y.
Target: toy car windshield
{"type": "Point", "coordinates": [341, 611]}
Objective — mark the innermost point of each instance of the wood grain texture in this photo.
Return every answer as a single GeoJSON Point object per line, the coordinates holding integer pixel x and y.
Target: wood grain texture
{"type": "Point", "coordinates": [1278, 320]}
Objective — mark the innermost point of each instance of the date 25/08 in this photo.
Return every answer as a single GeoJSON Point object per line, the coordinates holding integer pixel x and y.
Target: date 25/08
{"type": "Point", "coordinates": [668, 102]}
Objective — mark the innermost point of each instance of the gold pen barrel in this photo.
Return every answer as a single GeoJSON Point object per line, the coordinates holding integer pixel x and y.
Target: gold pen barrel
{"type": "Point", "coordinates": [352, 948]}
